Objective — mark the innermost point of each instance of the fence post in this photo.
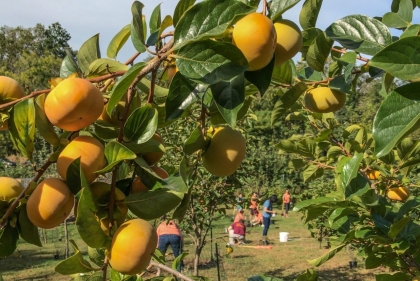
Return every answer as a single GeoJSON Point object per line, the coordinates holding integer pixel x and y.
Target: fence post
{"type": "Point", "coordinates": [211, 244]}
{"type": "Point", "coordinates": [217, 263]}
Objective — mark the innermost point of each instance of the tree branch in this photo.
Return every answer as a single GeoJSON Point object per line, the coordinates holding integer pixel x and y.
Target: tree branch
{"type": "Point", "coordinates": [344, 51]}
{"type": "Point", "coordinates": [171, 271]}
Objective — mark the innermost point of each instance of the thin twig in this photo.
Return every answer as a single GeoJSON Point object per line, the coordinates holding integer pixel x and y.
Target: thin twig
{"type": "Point", "coordinates": [171, 271]}
{"type": "Point", "coordinates": [104, 268]}
{"type": "Point", "coordinates": [345, 51]}
{"type": "Point", "coordinates": [264, 11]}
{"type": "Point", "coordinates": [167, 34]}
{"type": "Point", "coordinates": [152, 87]}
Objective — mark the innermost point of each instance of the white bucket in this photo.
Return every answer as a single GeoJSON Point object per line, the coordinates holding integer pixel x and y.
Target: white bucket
{"type": "Point", "coordinates": [284, 236]}
{"type": "Point", "coordinates": [231, 238]}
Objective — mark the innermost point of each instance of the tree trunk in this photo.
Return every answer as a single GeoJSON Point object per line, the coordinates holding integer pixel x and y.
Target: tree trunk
{"type": "Point", "coordinates": [66, 237]}
{"type": "Point", "coordinates": [197, 257]}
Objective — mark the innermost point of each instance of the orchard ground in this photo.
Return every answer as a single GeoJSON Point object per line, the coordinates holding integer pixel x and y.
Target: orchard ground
{"type": "Point", "coordinates": [285, 260]}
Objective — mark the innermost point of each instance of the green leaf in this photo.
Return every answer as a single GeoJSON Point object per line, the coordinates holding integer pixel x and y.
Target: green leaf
{"type": "Point", "coordinates": [312, 172]}
{"type": "Point", "coordinates": [396, 117]}
{"type": "Point", "coordinates": [137, 29]}
{"type": "Point", "coordinates": [309, 275]}
{"type": "Point", "coordinates": [155, 19]}
{"type": "Point", "coordinates": [401, 58]}
{"type": "Point", "coordinates": [308, 74]}
{"type": "Point", "coordinates": [151, 145]}
{"type": "Point", "coordinates": [358, 186]}
{"type": "Point", "coordinates": [74, 264]}
{"type": "Point", "coordinates": [43, 125]}
{"type": "Point", "coordinates": [68, 66]}
{"type": "Point", "coordinates": [143, 204]}
{"type": "Point", "coordinates": [287, 100]}
{"type": "Point", "coordinates": [75, 178]}
{"type": "Point", "coordinates": [209, 61]}
{"type": "Point", "coordinates": [412, 30]}
{"type": "Point", "coordinates": [402, 18]}
{"type": "Point", "coordinates": [284, 73]}
{"type": "Point", "coordinates": [9, 237]}
{"type": "Point", "coordinates": [195, 142]}
{"type": "Point", "coordinates": [324, 258]}
{"type": "Point", "coordinates": [141, 124]}
{"type": "Point", "coordinates": [27, 230]}
{"type": "Point", "coordinates": [319, 51]}
{"type": "Point", "coordinates": [309, 13]}
{"type": "Point", "coordinates": [115, 153]}
{"type": "Point", "coordinates": [350, 169]}
{"type": "Point", "coordinates": [333, 152]}
{"type": "Point", "coordinates": [339, 213]}
{"type": "Point", "coordinates": [177, 262]}
{"type": "Point", "coordinates": [104, 66]}
{"type": "Point", "coordinates": [261, 78]}
{"type": "Point", "coordinates": [360, 33]}
{"type": "Point", "coordinates": [88, 52]}
{"type": "Point", "coordinates": [118, 41]}
{"type": "Point", "coordinates": [87, 223]}
{"type": "Point", "coordinates": [208, 19]}
{"type": "Point", "coordinates": [278, 7]}
{"type": "Point", "coordinates": [181, 210]}
{"type": "Point", "coordinates": [22, 127]}
{"type": "Point", "coordinates": [387, 82]}
{"type": "Point", "coordinates": [182, 93]}
{"type": "Point", "coordinates": [229, 97]}
{"type": "Point", "coordinates": [122, 86]}
{"type": "Point", "coordinates": [397, 227]}
{"type": "Point", "coordinates": [180, 9]}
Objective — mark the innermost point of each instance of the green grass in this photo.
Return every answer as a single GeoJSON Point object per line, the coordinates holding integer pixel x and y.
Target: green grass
{"type": "Point", "coordinates": [285, 260]}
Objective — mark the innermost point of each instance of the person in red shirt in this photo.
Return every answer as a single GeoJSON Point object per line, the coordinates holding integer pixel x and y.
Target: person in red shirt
{"type": "Point", "coordinates": [286, 203]}
{"type": "Point", "coordinates": [239, 230]}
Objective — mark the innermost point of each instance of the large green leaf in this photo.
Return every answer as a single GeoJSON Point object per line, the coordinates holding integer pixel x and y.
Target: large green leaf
{"type": "Point", "coordinates": [286, 101]}
{"type": "Point", "coordinates": [75, 178]}
{"type": "Point", "coordinates": [195, 142]}
{"type": "Point", "coordinates": [155, 19]}
{"type": "Point", "coordinates": [229, 97]}
{"type": "Point", "coordinates": [324, 258]}
{"type": "Point", "coordinates": [397, 227]}
{"type": "Point", "coordinates": [115, 153]}
{"type": "Point", "coordinates": [68, 66]}
{"type": "Point", "coordinates": [278, 7]}
{"type": "Point", "coordinates": [182, 93]}
{"type": "Point", "coordinates": [261, 78]}
{"type": "Point", "coordinates": [105, 66]}
{"type": "Point", "coordinates": [75, 263]}
{"type": "Point", "coordinates": [22, 127]}
{"type": "Point", "coordinates": [350, 168]}
{"type": "Point", "coordinates": [118, 41]}
{"type": "Point", "coordinates": [402, 18]}
{"type": "Point", "coordinates": [180, 9]}
{"type": "Point", "coordinates": [9, 237]}
{"type": "Point", "coordinates": [309, 13]}
{"type": "Point", "coordinates": [87, 224]}
{"type": "Point", "coordinates": [339, 213]}
{"type": "Point", "coordinates": [284, 73]}
{"type": "Point", "coordinates": [401, 58]}
{"type": "Point", "coordinates": [319, 51]}
{"type": "Point", "coordinates": [143, 204]}
{"type": "Point", "coordinates": [312, 172]}
{"type": "Point", "coordinates": [27, 230]}
{"type": "Point", "coordinates": [141, 124]}
{"type": "Point", "coordinates": [122, 86]}
{"type": "Point", "coordinates": [137, 29]}
{"type": "Point", "coordinates": [397, 116]}
{"type": "Point", "coordinates": [208, 19]}
{"type": "Point", "coordinates": [88, 52]}
{"type": "Point", "coordinates": [209, 61]}
{"type": "Point", "coordinates": [360, 33]}
{"type": "Point", "coordinates": [43, 125]}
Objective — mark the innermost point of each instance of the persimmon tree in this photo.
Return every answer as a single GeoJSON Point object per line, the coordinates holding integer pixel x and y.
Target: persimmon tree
{"type": "Point", "coordinates": [221, 51]}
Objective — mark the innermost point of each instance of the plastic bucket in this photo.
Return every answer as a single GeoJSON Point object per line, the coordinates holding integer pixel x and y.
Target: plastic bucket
{"type": "Point", "coordinates": [284, 236]}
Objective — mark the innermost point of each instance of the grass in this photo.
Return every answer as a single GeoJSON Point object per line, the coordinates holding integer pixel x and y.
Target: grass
{"type": "Point", "coordinates": [285, 260]}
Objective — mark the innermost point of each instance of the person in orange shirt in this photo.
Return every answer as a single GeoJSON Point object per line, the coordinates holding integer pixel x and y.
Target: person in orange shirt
{"type": "Point", "coordinates": [253, 206]}
{"type": "Point", "coordinates": [286, 203]}
{"type": "Point", "coordinates": [239, 216]}
{"type": "Point", "coordinates": [169, 234]}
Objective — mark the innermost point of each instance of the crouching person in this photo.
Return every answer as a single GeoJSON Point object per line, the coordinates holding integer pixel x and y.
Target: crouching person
{"type": "Point", "coordinates": [239, 230]}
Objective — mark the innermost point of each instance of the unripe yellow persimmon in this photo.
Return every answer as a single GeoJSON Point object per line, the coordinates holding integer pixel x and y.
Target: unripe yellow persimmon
{"type": "Point", "coordinates": [92, 156]}
{"type": "Point", "coordinates": [171, 72]}
{"type": "Point", "coordinates": [255, 36]}
{"type": "Point", "coordinates": [289, 40]}
{"type": "Point", "coordinates": [225, 152]}
{"type": "Point", "coordinates": [73, 104]}
{"type": "Point", "coordinates": [132, 246]}
{"type": "Point", "coordinates": [416, 278]}
{"type": "Point", "coordinates": [9, 188]}
{"type": "Point", "coordinates": [10, 90]}
{"type": "Point", "coordinates": [398, 193]}
{"type": "Point", "coordinates": [373, 174]}
{"type": "Point", "coordinates": [101, 191]}
{"type": "Point", "coordinates": [138, 185]}
{"type": "Point", "coordinates": [153, 157]}
{"type": "Point", "coordinates": [324, 100]}
{"type": "Point", "coordinates": [50, 203]}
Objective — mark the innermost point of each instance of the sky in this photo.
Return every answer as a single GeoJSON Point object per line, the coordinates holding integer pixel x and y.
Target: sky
{"type": "Point", "coordinates": [83, 19]}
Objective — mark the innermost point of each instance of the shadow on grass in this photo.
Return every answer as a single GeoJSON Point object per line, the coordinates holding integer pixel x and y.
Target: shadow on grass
{"type": "Point", "coordinates": [337, 274]}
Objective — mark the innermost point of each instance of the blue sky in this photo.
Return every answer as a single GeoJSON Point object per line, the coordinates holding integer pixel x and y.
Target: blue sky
{"type": "Point", "coordinates": [83, 19]}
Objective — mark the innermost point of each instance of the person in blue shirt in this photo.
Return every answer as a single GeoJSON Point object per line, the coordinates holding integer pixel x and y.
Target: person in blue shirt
{"type": "Point", "coordinates": [267, 213]}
